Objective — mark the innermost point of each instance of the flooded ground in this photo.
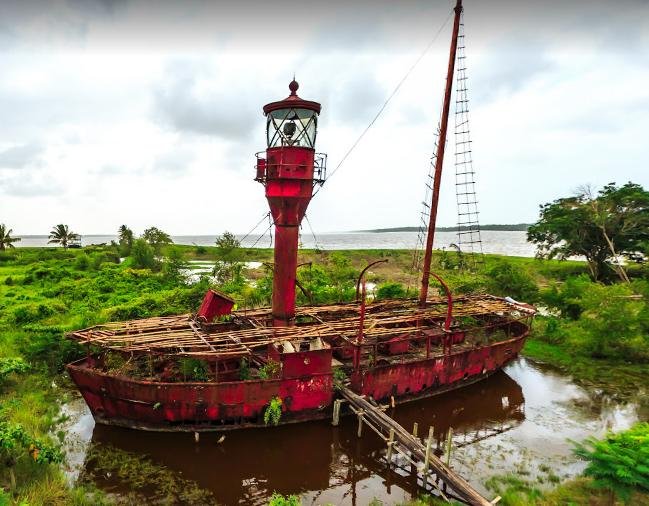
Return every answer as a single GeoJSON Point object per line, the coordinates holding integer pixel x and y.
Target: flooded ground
{"type": "Point", "coordinates": [520, 420]}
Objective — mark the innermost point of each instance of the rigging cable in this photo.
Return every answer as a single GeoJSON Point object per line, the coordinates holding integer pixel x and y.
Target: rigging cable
{"type": "Point", "coordinates": [385, 104]}
{"type": "Point", "coordinates": [255, 227]}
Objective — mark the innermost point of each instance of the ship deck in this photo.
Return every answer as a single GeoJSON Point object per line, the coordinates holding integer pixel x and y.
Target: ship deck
{"type": "Point", "coordinates": [243, 332]}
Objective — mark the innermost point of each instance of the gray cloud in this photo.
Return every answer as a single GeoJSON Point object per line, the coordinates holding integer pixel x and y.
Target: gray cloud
{"type": "Point", "coordinates": [21, 156]}
{"type": "Point", "coordinates": [174, 162]}
{"type": "Point", "coordinates": [190, 100]}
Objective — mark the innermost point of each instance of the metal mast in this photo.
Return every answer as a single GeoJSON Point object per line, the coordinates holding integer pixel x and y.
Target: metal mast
{"type": "Point", "coordinates": [439, 158]}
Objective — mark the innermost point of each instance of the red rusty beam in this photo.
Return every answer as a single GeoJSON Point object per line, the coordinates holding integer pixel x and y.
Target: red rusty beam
{"type": "Point", "coordinates": [439, 159]}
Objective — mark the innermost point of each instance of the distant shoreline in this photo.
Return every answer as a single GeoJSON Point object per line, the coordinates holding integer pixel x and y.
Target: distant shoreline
{"type": "Point", "coordinates": [515, 227]}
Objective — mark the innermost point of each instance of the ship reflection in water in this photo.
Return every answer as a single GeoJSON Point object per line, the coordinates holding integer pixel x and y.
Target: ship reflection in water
{"type": "Point", "coordinates": [322, 463]}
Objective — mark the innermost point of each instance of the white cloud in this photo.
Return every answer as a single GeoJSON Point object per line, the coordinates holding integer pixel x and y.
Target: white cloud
{"type": "Point", "coordinates": [113, 113]}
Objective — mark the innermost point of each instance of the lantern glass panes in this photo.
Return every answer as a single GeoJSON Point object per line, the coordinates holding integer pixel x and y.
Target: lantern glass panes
{"type": "Point", "coordinates": [291, 127]}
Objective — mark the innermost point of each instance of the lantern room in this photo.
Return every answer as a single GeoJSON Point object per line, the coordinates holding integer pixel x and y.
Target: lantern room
{"type": "Point", "coordinates": [292, 122]}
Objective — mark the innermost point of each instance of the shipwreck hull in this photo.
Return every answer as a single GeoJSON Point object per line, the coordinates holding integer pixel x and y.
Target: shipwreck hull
{"type": "Point", "coordinates": [210, 406]}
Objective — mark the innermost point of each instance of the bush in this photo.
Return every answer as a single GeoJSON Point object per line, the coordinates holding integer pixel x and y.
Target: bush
{"type": "Point", "coordinates": [193, 369]}
{"type": "Point", "coordinates": [273, 412]}
{"type": "Point", "coordinates": [49, 349]}
{"type": "Point", "coordinates": [618, 463]}
{"type": "Point", "coordinates": [32, 312]}
{"type": "Point", "coordinates": [82, 263]}
{"type": "Point", "coordinates": [143, 255]}
{"type": "Point", "coordinates": [11, 365]}
{"type": "Point", "coordinates": [9, 281]}
{"type": "Point", "coordinates": [390, 290]}
{"type": "Point", "coordinates": [507, 279]}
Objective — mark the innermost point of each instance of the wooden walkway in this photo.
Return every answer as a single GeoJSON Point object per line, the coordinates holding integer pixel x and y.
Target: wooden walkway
{"type": "Point", "coordinates": [400, 440]}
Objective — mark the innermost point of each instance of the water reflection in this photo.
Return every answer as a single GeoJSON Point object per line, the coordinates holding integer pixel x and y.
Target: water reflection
{"type": "Point", "coordinates": [323, 463]}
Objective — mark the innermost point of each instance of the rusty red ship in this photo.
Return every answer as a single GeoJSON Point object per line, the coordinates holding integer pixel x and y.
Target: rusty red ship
{"type": "Point", "coordinates": [292, 358]}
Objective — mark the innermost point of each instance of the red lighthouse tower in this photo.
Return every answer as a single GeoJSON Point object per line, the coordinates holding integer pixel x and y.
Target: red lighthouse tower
{"type": "Point", "coordinates": [289, 173]}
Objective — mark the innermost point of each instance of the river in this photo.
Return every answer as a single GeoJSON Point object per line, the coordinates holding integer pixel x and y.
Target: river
{"type": "Point", "coordinates": [500, 242]}
{"type": "Point", "coordinates": [519, 420]}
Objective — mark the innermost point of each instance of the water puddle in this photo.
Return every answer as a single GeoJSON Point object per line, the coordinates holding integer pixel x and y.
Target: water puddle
{"type": "Point", "coordinates": [520, 420]}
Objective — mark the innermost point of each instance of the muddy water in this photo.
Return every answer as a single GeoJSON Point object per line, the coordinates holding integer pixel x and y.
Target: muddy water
{"type": "Point", "coordinates": [519, 420]}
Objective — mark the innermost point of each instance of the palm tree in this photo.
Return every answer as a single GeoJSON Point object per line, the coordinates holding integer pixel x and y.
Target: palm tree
{"type": "Point", "coordinates": [6, 241]}
{"type": "Point", "coordinates": [62, 235]}
{"type": "Point", "coordinates": [125, 236]}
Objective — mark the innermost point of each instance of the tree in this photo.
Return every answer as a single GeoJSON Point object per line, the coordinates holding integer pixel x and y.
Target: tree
{"type": "Point", "coordinates": [227, 268]}
{"type": "Point", "coordinates": [228, 246]}
{"type": "Point", "coordinates": [6, 241]}
{"type": "Point", "coordinates": [618, 463]}
{"type": "Point", "coordinates": [603, 228]}
{"type": "Point", "coordinates": [143, 255]}
{"type": "Point", "coordinates": [156, 238]}
{"type": "Point", "coordinates": [62, 235]}
{"type": "Point", "coordinates": [125, 236]}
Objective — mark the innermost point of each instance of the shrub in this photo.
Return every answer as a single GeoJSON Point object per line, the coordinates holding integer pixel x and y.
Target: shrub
{"type": "Point", "coordinates": [618, 463]}
{"type": "Point", "coordinates": [273, 412]}
{"type": "Point", "coordinates": [9, 281]}
{"type": "Point", "coordinates": [271, 370]}
{"type": "Point", "coordinates": [193, 369]}
{"type": "Point", "coordinates": [567, 297]}
{"type": "Point", "coordinates": [49, 349]}
{"type": "Point", "coordinates": [507, 279]}
{"type": "Point", "coordinates": [390, 290]}
{"type": "Point", "coordinates": [143, 255]}
{"type": "Point", "coordinates": [279, 500]}
{"type": "Point", "coordinates": [82, 263]}
{"type": "Point", "coordinates": [31, 312]}
{"type": "Point", "coordinates": [11, 365]}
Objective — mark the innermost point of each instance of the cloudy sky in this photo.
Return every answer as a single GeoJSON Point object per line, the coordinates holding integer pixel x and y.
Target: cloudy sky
{"type": "Point", "coordinates": [149, 113]}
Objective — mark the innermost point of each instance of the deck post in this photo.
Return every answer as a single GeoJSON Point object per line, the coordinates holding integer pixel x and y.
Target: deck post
{"type": "Point", "coordinates": [429, 443]}
{"type": "Point", "coordinates": [390, 445]}
{"type": "Point", "coordinates": [449, 442]}
{"type": "Point", "coordinates": [336, 415]}
{"type": "Point", "coordinates": [415, 428]}
{"type": "Point", "coordinates": [360, 422]}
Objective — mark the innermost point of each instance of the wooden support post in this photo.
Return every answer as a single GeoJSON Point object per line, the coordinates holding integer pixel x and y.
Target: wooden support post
{"type": "Point", "coordinates": [390, 445]}
{"type": "Point", "coordinates": [360, 423]}
{"type": "Point", "coordinates": [336, 414]}
{"type": "Point", "coordinates": [449, 442]}
{"type": "Point", "coordinates": [429, 444]}
{"type": "Point", "coordinates": [415, 428]}
{"type": "Point", "coordinates": [392, 404]}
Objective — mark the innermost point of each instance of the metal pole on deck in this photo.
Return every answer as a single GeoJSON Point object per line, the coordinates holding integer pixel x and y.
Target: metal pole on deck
{"type": "Point", "coordinates": [439, 158]}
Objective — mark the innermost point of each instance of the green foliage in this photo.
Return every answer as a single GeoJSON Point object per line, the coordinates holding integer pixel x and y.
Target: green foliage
{"type": "Point", "coordinates": [599, 320]}
{"type": "Point", "coordinates": [31, 312]}
{"type": "Point", "coordinates": [126, 238]}
{"type": "Point", "coordinates": [270, 370]}
{"type": "Point", "coordinates": [15, 442]}
{"type": "Point", "coordinates": [340, 377]}
{"type": "Point", "coordinates": [11, 365]}
{"type": "Point", "coordinates": [156, 238]}
{"type": "Point", "coordinates": [280, 500]}
{"type": "Point", "coordinates": [615, 222]}
{"type": "Point", "coordinates": [61, 234]}
{"type": "Point", "coordinates": [390, 290]}
{"type": "Point", "coordinates": [228, 247]}
{"type": "Point", "coordinates": [9, 281]}
{"type": "Point", "coordinates": [513, 490]}
{"type": "Point", "coordinates": [193, 369]}
{"type": "Point", "coordinates": [273, 412]}
{"type": "Point", "coordinates": [619, 462]}
{"type": "Point", "coordinates": [143, 255]}
{"type": "Point", "coordinates": [244, 370]}
{"type": "Point", "coordinates": [174, 264]}
{"type": "Point", "coordinates": [508, 279]}
{"type": "Point", "coordinates": [6, 241]}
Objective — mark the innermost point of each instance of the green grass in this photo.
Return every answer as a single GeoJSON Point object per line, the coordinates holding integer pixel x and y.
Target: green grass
{"type": "Point", "coordinates": [45, 292]}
